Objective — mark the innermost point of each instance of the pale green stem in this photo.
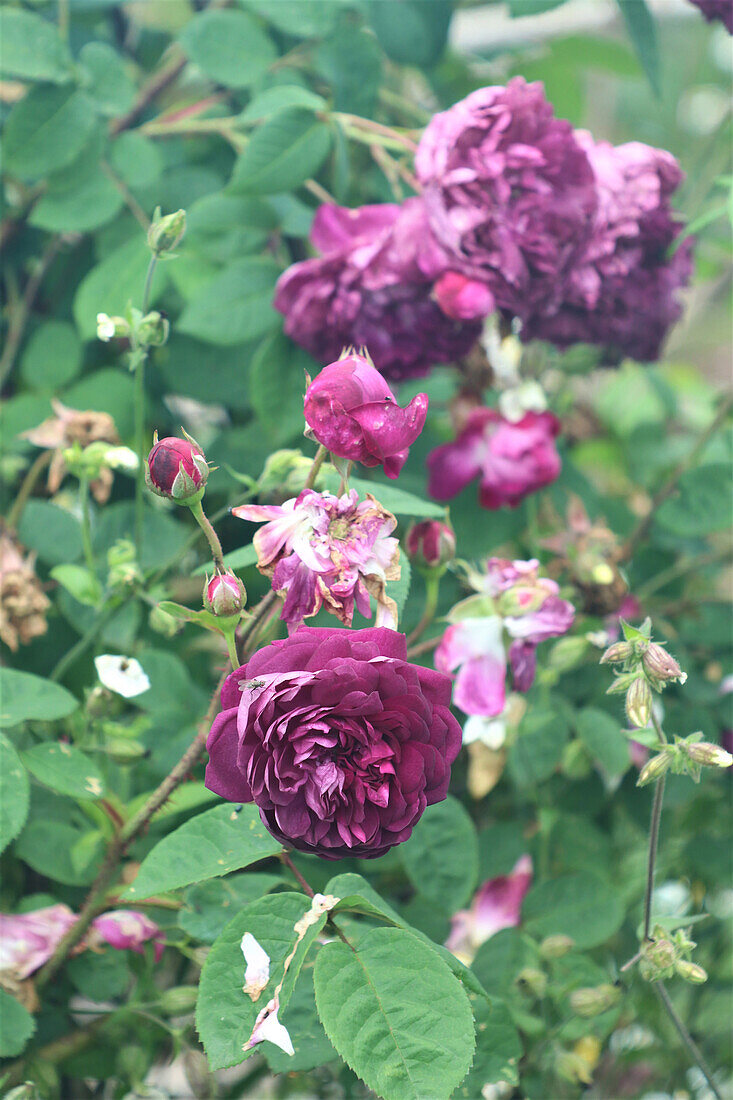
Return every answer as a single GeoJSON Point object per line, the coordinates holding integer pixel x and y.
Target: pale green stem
{"type": "Point", "coordinates": [86, 525]}
{"type": "Point", "coordinates": [689, 1042]}
{"type": "Point", "coordinates": [140, 437]}
{"type": "Point", "coordinates": [211, 535]}
{"type": "Point", "coordinates": [315, 468]}
{"type": "Point", "coordinates": [232, 647]}
{"type": "Point", "coordinates": [432, 590]}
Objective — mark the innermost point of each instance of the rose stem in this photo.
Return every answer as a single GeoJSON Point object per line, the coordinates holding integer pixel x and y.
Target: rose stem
{"type": "Point", "coordinates": [212, 538]}
{"type": "Point", "coordinates": [432, 589]}
{"type": "Point", "coordinates": [140, 357]}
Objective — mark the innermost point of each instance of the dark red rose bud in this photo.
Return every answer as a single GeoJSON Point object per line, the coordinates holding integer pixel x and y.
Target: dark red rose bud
{"type": "Point", "coordinates": [431, 545]}
{"type": "Point", "coordinates": [177, 469]}
{"type": "Point", "coordinates": [225, 594]}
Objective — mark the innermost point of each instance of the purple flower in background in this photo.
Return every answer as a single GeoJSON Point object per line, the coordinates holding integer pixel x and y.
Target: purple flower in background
{"type": "Point", "coordinates": [323, 549]}
{"type": "Point", "coordinates": [337, 738]}
{"type": "Point", "coordinates": [28, 940]}
{"type": "Point", "coordinates": [475, 647]}
{"type": "Point", "coordinates": [126, 929]}
{"type": "Point", "coordinates": [372, 287]}
{"type": "Point", "coordinates": [350, 409]}
{"type": "Point", "coordinates": [623, 292]}
{"type": "Point", "coordinates": [462, 298]}
{"type": "Point", "coordinates": [511, 459]}
{"type": "Point", "coordinates": [717, 9]}
{"type": "Point", "coordinates": [508, 192]}
{"type": "Point", "coordinates": [496, 905]}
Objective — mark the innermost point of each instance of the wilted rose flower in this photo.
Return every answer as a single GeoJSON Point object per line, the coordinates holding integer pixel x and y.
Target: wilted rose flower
{"type": "Point", "coordinates": [717, 9]}
{"type": "Point", "coordinates": [176, 469]}
{"type": "Point", "coordinates": [622, 293]}
{"type": "Point", "coordinates": [340, 742]}
{"type": "Point", "coordinates": [23, 604]}
{"type": "Point", "coordinates": [496, 905]}
{"type": "Point", "coordinates": [462, 298]}
{"type": "Point", "coordinates": [511, 460]}
{"type": "Point", "coordinates": [128, 930]}
{"type": "Point", "coordinates": [28, 940]}
{"type": "Point", "coordinates": [508, 192]}
{"type": "Point", "coordinates": [323, 549]}
{"type": "Point", "coordinates": [372, 287]}
{"type": "Point", "coordinates": [351, 410]}
{"type": "Point", "coordinates": [69, 427]}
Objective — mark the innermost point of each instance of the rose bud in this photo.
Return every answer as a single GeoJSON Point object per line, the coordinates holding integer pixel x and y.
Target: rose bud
{"type": "Point", "coordinates": [660, 667]}
{"type": "Point", "coordinates": [351, 410]}
{"type": "Point", "coordinates": [167, 231]}
{"type": "Point", "coordinates": [225, 594]}
{"type": "Point", "coordinates": [639, 703]}
{"type": "Point", "coordinates": [431, 545]}
{"type": "Point", "coordinates": [177, 469]}
{"type": "Point", "coordinates": [461, 298]}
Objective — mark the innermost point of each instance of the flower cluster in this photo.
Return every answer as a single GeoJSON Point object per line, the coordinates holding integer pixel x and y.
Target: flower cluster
{"type": "Point", "coordinates": [337, 738]}
{"type": "Point", "coordinates": [514, 600]}
{"type": "Point", "coordinates": [323, 549]}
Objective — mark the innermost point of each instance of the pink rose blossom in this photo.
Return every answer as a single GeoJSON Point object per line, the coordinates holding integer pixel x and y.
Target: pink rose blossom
{"type": "Point", "coordinates": [351, 410]}
{"type": "Point", "coordinates": [126, 929]}
{"type": "Point", "coordinates": [496, 905]}
{"type": "Point", "coordinates": [476, 649]}
{"type": "Point", "coordinates": [321, 549]}
{"type": "Point", "coordinates": [511, 460]}
{"type": "Point", "coordinates": [462, 298]}
{"type": "Point", "coordinates": [28, 940]}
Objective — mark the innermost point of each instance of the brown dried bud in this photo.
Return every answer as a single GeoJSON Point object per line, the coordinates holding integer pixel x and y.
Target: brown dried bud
{"type": "Point", "coordinates": [23, 604]}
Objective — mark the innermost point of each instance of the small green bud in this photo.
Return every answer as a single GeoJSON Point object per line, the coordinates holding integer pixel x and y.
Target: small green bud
{"type": "Point", "coordinates": [567, 653]}
{"type": "Point", "coordinates": [691, 972]}
{"type": "Point", "coordinates": [576, 761]}
{"type": "Point", "coordinates": [166, 231]}
{"type": "Point", "coordinates": [593, 1000]}
{"type": "Point", "coordinates": [654, 769]}
{"type": "Point", "coordinates": [658, 959]}
{"type": "Point", "coordinates": [619, 651]}
{"type": "Point", "coordinates": [163, 623]}
{"type": "Point", "coordinates": [707, 754]}
{"type": "Point", "coordinates": [573, 1067]}
{"type": "Point", "coordinates": [639, 703]}
{"type": "Point", "coordinates": [532, 980]}
{"type": "Point", "coordinates": [554, 947]}
{"type": "Point", "coordinates": [178, 1001]}
{"type": "Point", "coordinates": [124, 752]}
{"type": "Point", "coordinates": [153, 330]}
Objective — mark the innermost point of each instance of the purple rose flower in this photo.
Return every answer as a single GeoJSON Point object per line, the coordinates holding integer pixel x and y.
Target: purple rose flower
{"type": "Point", "coordinates": [508, 192]}
{"type": "Point", "coordinates": [323, 549]}
{"type": "Point", "coordinates": [372, 287]}
{"type": "Point", "coordinates": [28, 940]}
{"type": "Point", "coordinates": [623, 291]}
{"type": "Point", "coordinates": [350, 409]}
{"type": "Point", "coordinates": [340, 742]}
{"type": "Point", "coordinates": [717, 9]}
{"type": "Point", "coordinates": [511, 459]}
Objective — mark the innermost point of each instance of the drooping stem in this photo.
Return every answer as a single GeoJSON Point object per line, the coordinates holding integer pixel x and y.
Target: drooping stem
{"type": "Point", "coordinates": [652, 858]}
{"type": "Point", "coordinates": [432, 590]}
{"type": "Point", "coordinates": [689, 1042]}
{"type": "Point", "coordinates": [315, 468]}
{"type": "Point", "coordinates": [211, 536]}
{"type": "Point", "coordinates": [86, 525]}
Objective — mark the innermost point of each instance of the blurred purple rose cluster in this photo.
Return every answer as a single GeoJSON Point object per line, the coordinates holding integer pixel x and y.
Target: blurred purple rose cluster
{"type": "Point", "coordinates": [518, 212]}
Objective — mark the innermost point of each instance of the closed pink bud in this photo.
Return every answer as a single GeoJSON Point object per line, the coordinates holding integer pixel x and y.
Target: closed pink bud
{"type": "Point", "coordinates": [177, 469]}
{"type": "Point", "coordinates": [431, 544]}
{"type": "Point", "coordinates": [126, 929]}
{"type": "Point", "coordinates": [225, 594]}
{"type": "Point", "coordinates": [462, 298]}
{"type": "Point", "coordinates": [660, 666]}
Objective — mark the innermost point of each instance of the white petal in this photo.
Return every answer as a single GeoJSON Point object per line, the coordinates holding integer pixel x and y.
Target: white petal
{"type": "Point", "coordinates": [257, 972]}
{"type": "Point", "coordinates": [123, 675]}
{"type": "Point", "coordinates": [490, 731]}
{"type": "Point", "coordinates": [270, 1030]}
{"type": "Point", "coordinates": [121, 458]}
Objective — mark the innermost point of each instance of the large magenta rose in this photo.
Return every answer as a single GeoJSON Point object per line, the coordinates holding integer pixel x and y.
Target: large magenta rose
{"type": "Point", "coordinates": [340, 742]}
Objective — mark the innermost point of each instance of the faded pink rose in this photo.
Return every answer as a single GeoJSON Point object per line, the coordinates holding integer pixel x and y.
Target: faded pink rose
{"type": "Point", "coordinates": [496, 905]}
{"type": "Point", "coordinates": [28, 940]}
{"type": "Point", "coordinates": [351, 410]}
{"type": "Point", "coordinates": [511, 459]}
{"type": "Point", "coordinates": [475, 648]}
{"type": "Point", "coordinates": [321, 549]}
{"type": "Point", "coordinates": [127, 929]}
{"type": "Point", "coordinates": [462, 298]}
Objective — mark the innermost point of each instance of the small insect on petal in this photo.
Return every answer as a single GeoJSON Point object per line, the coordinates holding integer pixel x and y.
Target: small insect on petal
{"type": "Point", "coordinates": [257, 972]}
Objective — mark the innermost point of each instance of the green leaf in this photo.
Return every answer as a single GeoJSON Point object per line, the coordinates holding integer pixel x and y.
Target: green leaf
{"type": "Point", "coordinates": [136, 159]}
{"type": "Point", "coordinates": [62, 852]}
{"type": "Point", "coordinates": [351, 61]}
{"type": "Point", "coordinates": [16, 1026]}
{"type": "Point", "coordinates": [46, 130]}
{"type": "Point", "coordinates": [211, 844]}
{"type": "Point", "coordinates": [581, 906]}
{"type": "Point", "coordinates": [395, 500]}
{"type": "Point", "coordinates": [80, 582]}
{"type": "Point", "coordinates": [209, 906]}
{"type": "Point", "coordinates": [234, 306]}
{"type": "Point", "coordinates": [229, 46]}
{"type": "Point", "coordinates": [396, 1014]}
{"type": "Point", "coordinates": [441, 856]}
{"type": "Point", "coordinates": [499, 960]}
{"type": "Point", "coordinates": [697, 508]}
{"type": "Point", "coordinates": [113, 283]}
{"type": "Point", "coordinates": [602, 736]}
{"type": "Point", "coordinates": [225, 1014]}
{"type": "Point", "coordinates": [24, 696]}
{"type": "Point", "coordinates": [498, 1049]}
{"type": "Point", "coordinates": [278, 98]}
{"type": "Point", "coordinates": [411, 32]}
{"type": "Point", "coordinates": [310, 1043]}
{"type": "Point", "coordinates": [531, 7]}
{"type": "Point", "coordinates": [65, 770]}
{"type": "Point", "coordinates": [107, 82]}
{"type": "Point", "coordinates": [52, 532]}
{"type": "Point", "coordinates": [276, 387]}
{"type": "Point", "coordinates": [100, 977]}
{"type": "Point", "coordinates": [643, 33]}
{"type": "Point", "coordinates": [32, 48]}
{"type": "Point", "coordinates": [52, 357]}
{"type": "Point", "coordinates": [538, 749]}
{"type": "Point", "coordinates": [79, 203]}
{"type": "Point", "coordinates": [202, 618]}
{"type": "Point", "coordinates": [300, 18]}
{"type": "Point", "coordinates": [241, 558]}
{"type": "Point", "coordinates": [282, 153]}
{"type": "Point", "coordinates": [14, 793]}
{"type": "Point", "coordinates": [189, 796]}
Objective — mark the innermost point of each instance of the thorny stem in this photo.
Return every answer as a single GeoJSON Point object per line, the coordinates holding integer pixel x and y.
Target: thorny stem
{"type": "Point", "coordinates": [689, 1042]}
{"type": "Point", "coordinates": [285, 858]}
{"type": "Point", "coordinates": [27, 487]}
{"type": "Point", "coordinates": [212, 538]}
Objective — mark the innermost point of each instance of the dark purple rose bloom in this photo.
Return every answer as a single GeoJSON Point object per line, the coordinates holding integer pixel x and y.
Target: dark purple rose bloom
{"type": "Point", "coordinates": [623, 293]}
{"type": "Point", "coordinates": [717, 9]}
{"type": "Point", "coordinates": [372, 287]}
{"type": "Point", "coordinates": [508, 192]}
{"type": "Point", "coordinates": [340, 742]}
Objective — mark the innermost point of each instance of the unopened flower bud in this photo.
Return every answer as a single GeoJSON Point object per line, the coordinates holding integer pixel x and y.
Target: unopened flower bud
{"type": "Point", "coordinates": [658, 959]}
{"type": "Point", "coordinates": [691, 972]}
{"type": "Point", "coordinates": [573, 1067]}
{"type": "Point", "coordinates": [123, 751]}
{"type": "Point", "coordinates": [654, 769]}
{"type": "Point", "coordinates": [177, 469]}
{"type": "Point", "coordinates": [619, 651]}
{"type": "Point", "coordinates": [554, 947]}
{"type": "Point", "coordinates": [532, 980]}
{"type": "Point", "coordinates": [594, 1000]}
{"type": "Point", "coordinates": [639, 703]}
{"type": "Point", "coordinates": [708, 754]}
{"type": "Point", "coordinates": [431, 545]}
{"type": "Point", "coordinates": [178, 1001]}
{"type": "Point", "coordinates": [153, 330]}
{"type": "Point", "coordinates": [660, 667]}
{"type": "Point", "coordinates": [166, 231]}
{"type": "Point", "coordinates": [110, 327]}
{"type": "Point", "coordinates": [225, 594]}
